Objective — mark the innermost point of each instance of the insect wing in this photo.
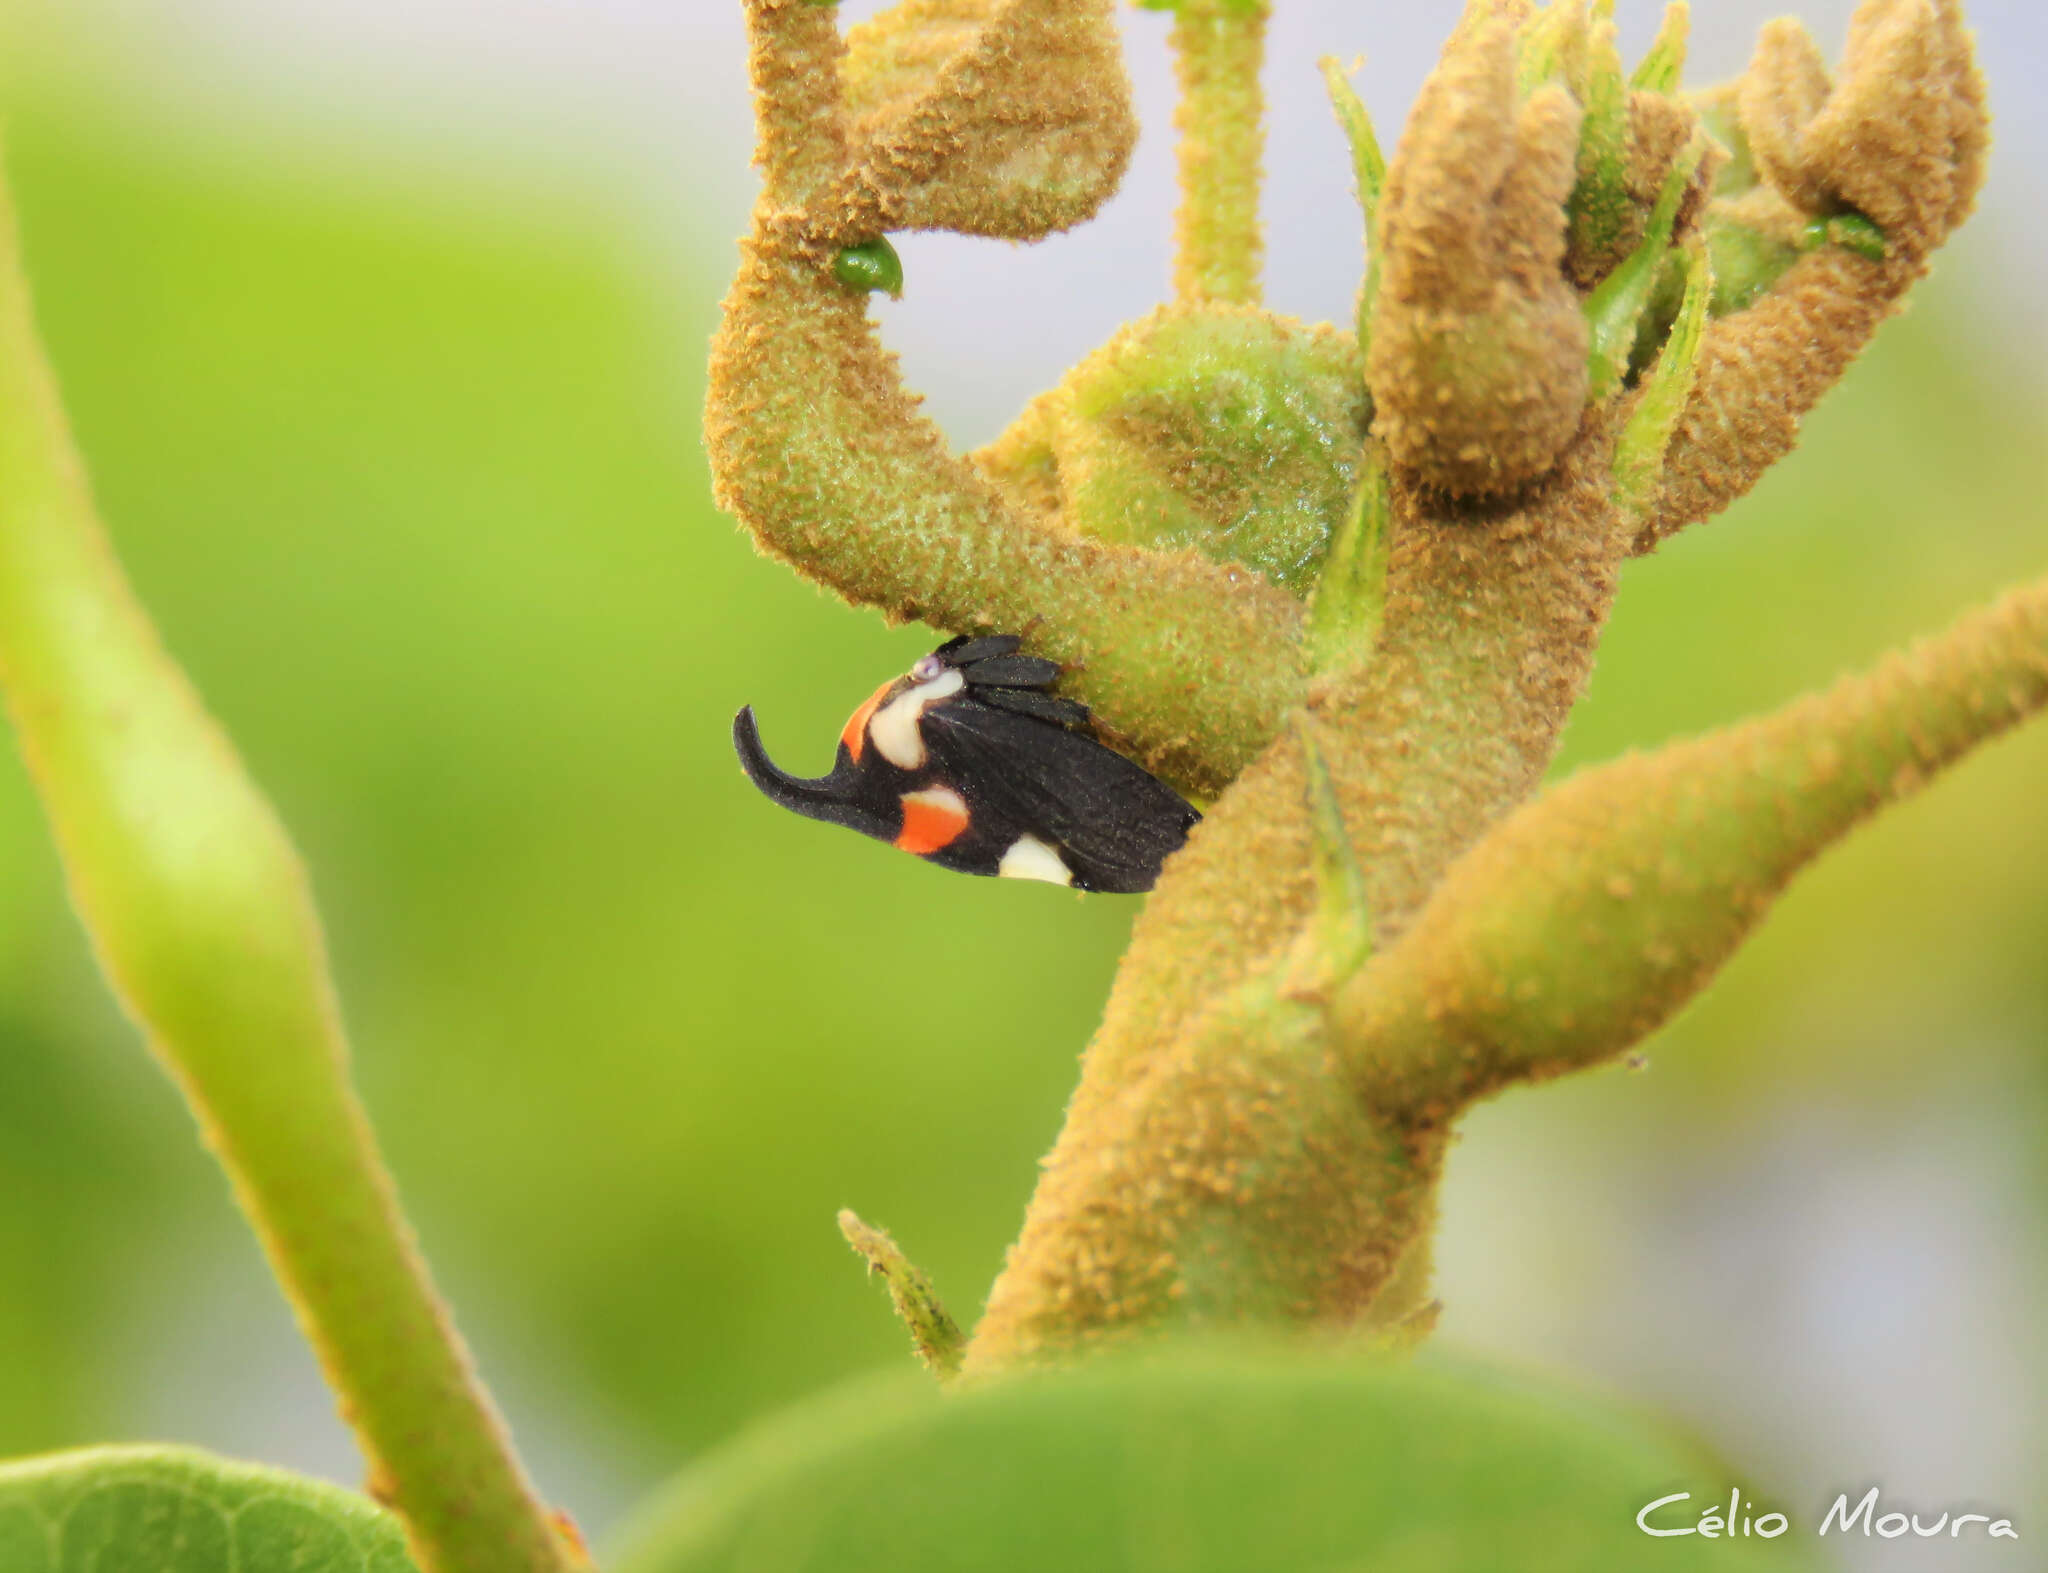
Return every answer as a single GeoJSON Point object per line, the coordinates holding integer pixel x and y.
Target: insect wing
{"type": "Point", "coordinates": [1030, 702]}
{"type": "Point", "coordinates": [966, 649]}
{"type": "Point", "coordinates": [1011, 671]}
{"type": "Point", "coordinates": [1112, 822]}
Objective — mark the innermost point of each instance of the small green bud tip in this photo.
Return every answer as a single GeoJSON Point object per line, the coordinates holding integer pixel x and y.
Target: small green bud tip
{"type": "Point", "coordinates": [1851, 231]}
{"type": "Point", "coordinates": [870, 266]}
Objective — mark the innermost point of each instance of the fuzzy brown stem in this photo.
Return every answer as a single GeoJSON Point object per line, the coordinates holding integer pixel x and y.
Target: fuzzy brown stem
{"type": "Point", "coordinates": [1585, 921]}
{"type": "Point", "coordinates": [1760, 372]}
{"type": "Point", "coordinates": [816, 445]}
{"type": "Point", "coordinates": [1492, 616]}
{"type": "Point", "coordinates": [794, 51]}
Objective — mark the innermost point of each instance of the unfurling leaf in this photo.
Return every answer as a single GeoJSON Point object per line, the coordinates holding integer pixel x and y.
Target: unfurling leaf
{"type": "Point", "coordinates": [1369, 169]}
{"type": "Point", "coordinates": [1217, 429]}
{"type": "Point", "coordinates": [1663, 63]}
{"type": "Point", "coordinates": [1645, 436]}
{"type": "Point", "coordinates": [1897, 143]}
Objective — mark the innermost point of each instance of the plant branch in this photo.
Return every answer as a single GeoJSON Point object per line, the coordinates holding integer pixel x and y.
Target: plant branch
{"type": "Point", "coordinates": [1589, 917]}
{"type": "Point", "coordinates": [817, 446]}
{"type": "Point", "coordinates": [794, 55]}
{"type": "Point", "coordinates": [1491, 618]}
{"type": "Point", "coordinates": [199, 912]}
{"type": "Point", "coordinates": [1899, 144]}
{"type": "Point", "coordinates": [1218, 47]}
{"type": "Point", "coordinates": [1276, 1159]}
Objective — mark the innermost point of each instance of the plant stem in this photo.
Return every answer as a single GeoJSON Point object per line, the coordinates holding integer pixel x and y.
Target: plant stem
{"type": "Point", "coordinates": [199, 912]}
{"type": "Point", "coordinates": [1218, 47]}
{"type": "Point", "coordinates": [1586, 919]}
{"type": "Point", "coordinates": [815, 443]}
{"type": "Point", "coordinates": [794, 56]}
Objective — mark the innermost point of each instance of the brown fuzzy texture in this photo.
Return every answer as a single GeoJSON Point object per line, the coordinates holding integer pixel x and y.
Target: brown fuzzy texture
{"type": "Point", "coordinates": [1009, 118]}
{"type": "Point", "coordinates": [1277, 1162]}
{"type": "Point", "coordinates": [1785, 85]}
{"type": "Point", "coordinates": [1585, 921]}
{"type": "Point", "coordinates": [1659, 129]}
{"type": "Point", "coordinates": [1024, 465]}
{"type": "Point", "coordinates": [818, 448]}
{"type": "Point", "coordinates": [1492, 617]}
{"type": "Point", "coordinates": [1760, 371]}
{"type": "Point", "coordinates": [1491, 625]}
{"type": "Point", "coordinates": [1265, 1193]}
{"type": "Point", "coordinates": [1259, 1128]}
{"type": "Point", "coordinates": [822, 453]}
{"type": "Point", "coordinates": [793, 56]}
{"type": "Point", "coordinates": [1901, 139]}
{"type": "Point", "coordinates": [1478, 357]}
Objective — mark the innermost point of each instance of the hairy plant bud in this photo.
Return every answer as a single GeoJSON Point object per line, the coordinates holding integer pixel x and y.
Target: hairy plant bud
{"type": "Point", "coordinates": [1785, 86]}
{"type": "Point", "coordinates": [1898, 142]}
{"type": "Point", "coordinates": [1478, 358]}
{"type": "Point", "coordinates": [1009, 118]}
{"type": "Point", "coordinates": [1901, 139]}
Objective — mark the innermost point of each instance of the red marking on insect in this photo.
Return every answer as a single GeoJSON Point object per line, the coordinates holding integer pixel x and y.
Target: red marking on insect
{"type": "Point", "coordinates": [855, 733]}
{"type": "Point", "coordinates": [931, 820]}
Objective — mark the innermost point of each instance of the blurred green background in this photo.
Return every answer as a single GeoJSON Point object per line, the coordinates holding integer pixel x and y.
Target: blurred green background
{"type": "Point", "coordinates": [408, 472]}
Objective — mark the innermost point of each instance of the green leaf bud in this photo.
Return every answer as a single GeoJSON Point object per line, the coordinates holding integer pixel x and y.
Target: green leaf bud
{"type": "Point", "coordinates": [870, 266]}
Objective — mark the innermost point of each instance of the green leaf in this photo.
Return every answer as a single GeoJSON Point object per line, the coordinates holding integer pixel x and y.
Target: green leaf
{"type": "Point", "coordinates": [1850, 231]}
{"type": "Point", "coordinates": [1646, 435]}
{"type": "Point", "coordinates": [1369, 167]}
{"type": "Point", "coordinates": [1196, 1459]}
{"type": "Point", "coordinates": [1350, 599]}
{"type": "Point", "coordinates": [178, 1510]}
{"type": "Point", "coordinates": [1600, 206]}
{"type": "Point", "coordinates": [1616, 308]}
{"type": "Point", "coordinates": [1663, 64]}
{"type": "Point", "coordinates": [1337, 941]}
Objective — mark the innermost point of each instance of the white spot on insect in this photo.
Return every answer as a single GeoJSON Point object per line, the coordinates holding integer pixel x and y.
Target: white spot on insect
{"type": "Point", "coordinates": [944, 799]}
{"type": "Point", "coordinates": [1030, 858]}
{"type": "Point", "coordinates": [894, 727]}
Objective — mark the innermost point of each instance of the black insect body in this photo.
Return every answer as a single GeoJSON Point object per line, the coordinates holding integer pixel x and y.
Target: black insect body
{"type": "Point", "coordinates": [972, 763]}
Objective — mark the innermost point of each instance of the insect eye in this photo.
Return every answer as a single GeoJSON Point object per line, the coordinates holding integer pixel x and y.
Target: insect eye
{"type": "Point", "coordinates": [927, 668]}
